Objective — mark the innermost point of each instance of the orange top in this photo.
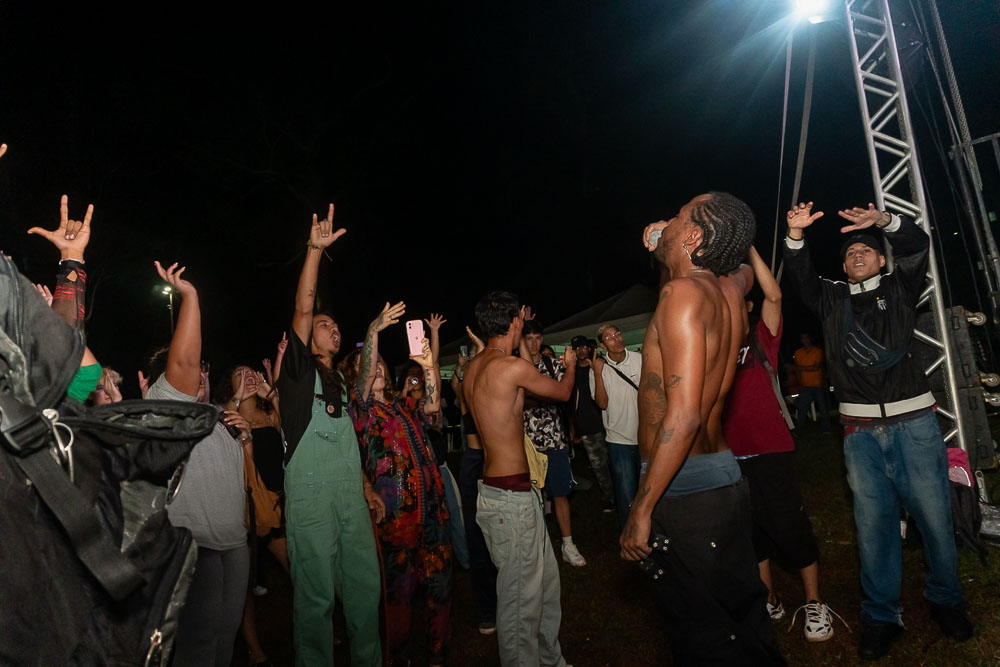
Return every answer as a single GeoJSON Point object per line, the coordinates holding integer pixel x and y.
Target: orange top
{"type": "Point", "coordinates": [812, 357]}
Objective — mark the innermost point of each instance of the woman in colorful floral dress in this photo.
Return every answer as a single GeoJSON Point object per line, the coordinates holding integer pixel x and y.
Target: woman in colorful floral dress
{"type": "Point", "coordinates": [396, 454]}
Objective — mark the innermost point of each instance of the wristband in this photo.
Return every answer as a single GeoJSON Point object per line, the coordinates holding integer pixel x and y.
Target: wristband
{"type": "Point", "coordinates": [312, 246]}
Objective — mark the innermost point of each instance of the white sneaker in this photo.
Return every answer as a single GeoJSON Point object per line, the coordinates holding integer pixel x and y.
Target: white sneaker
{"type": "Point", "coordinates": [572, 555]}
{"type": "Point", "coordinates": [819, 624]}
{"type": "Point", "coordinates": [776, 611]}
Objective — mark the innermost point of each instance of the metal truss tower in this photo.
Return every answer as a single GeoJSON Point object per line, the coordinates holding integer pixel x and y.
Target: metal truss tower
{"type": "Point", "coordinates": [899, 186]}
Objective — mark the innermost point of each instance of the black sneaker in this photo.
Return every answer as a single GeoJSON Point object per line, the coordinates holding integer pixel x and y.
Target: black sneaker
{"type": "Point", "coordinates": [953, 621]}
{"type": "Point", "coordinates": [876, 640]}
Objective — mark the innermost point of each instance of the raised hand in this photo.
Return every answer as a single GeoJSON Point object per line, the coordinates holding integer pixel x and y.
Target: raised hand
{"type": "Point", "coordinates": [425, 358]}
{"type": "Point", "coordinates": [172, 276]}
{"type": "Point", "coordinates": [71, 236]}
{"type": "Point", "coordinates": [648, 238]}
{"type": "Point", "coordinates": [476, 340]}
{"type": "Point", "coordinates": [321, 235]}
{"type": "Point", "coordinates": [283, 343]}
{"type": "Point", "coordinates": [266, 363]}
{"type": "Point", "coordinates": [801, 216]}
{"type": "Point", "coordinates": [526, 313]}
{"type": "Point", "coordinates": [390, 315]}
{"type": "Point", "coordinates": [862, 218]}
{"type": "Point", "coordinates": [435, 321]}
{"type": "Point", "coordinates": [45, 292]}
{"type": "Point", "coordinates": [569, 358]}
{"type": "Point", "coordinates": [3, 149]}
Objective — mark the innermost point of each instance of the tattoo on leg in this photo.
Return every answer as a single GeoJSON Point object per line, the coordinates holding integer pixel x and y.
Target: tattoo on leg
{"type": "Point", "coordinates": [673, 381]}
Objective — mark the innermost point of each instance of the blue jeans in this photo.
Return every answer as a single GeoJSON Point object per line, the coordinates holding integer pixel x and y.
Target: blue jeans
{"type": "Point", "coordinates": [903, 463]}
{"type": "Point", "coordinates": [624, 463]}
{"type": "Point", "coordinates": [455, 509]}
{"type": "Point", "coordinates": [808, 396]}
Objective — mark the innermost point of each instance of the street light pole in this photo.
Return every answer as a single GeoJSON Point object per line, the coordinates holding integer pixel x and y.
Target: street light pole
{"type": "Point", "coordinates": [170, 306]}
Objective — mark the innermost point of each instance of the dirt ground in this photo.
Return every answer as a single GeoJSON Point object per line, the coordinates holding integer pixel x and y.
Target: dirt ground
{"type": "Point", "coordinates": [609, 618]}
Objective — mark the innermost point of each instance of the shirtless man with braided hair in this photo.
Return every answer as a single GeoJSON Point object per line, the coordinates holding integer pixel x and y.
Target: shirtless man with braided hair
{"type": "Point", "coordinates": [690, 522]}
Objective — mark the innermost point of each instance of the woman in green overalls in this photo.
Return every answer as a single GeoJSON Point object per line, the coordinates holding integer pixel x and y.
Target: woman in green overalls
{"type": "Point", "coordinates": [328, 501]}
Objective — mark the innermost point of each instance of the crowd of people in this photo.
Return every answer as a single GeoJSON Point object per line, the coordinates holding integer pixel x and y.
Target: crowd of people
{"type": "Point", "coordinates": [689, 440]}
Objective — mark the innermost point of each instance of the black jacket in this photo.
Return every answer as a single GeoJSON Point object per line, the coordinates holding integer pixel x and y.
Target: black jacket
{"type": "Point", "coordinates": [885, 307]}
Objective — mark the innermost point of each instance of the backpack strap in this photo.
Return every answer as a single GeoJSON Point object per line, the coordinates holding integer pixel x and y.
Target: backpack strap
{"type": "Point", "coordinates": [27, 430]}
{"type": "Point", "coordinates": [758, 353]}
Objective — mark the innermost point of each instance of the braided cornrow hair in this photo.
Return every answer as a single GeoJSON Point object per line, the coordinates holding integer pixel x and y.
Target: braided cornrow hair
{"type": "Point", "coordinates": [728, 228]}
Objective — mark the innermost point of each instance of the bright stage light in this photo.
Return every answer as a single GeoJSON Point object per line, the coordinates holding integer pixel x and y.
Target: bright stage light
{"type": "Point", "coordinates": [814, 10]}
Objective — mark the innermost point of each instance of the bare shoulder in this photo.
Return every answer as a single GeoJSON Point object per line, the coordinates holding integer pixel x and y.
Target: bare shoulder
{"type": "Point", "coordinates": [678, 296]}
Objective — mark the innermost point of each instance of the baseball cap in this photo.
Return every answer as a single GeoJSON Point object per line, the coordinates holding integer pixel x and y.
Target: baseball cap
{"type": "Point", "coordinates": [866, 239]}
{"type": "Point", "coordinates": [579, 341]}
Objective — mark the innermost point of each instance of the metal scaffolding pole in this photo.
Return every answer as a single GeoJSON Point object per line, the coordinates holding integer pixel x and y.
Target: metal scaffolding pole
{"type": "Point", "coordinates": [892, 152]}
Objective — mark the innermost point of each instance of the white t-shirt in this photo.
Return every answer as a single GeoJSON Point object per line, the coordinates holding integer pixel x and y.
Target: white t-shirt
{"type": "Point", "coordinates": [621, 419]}
{"type": "Point", "coordinates": [211, 501]}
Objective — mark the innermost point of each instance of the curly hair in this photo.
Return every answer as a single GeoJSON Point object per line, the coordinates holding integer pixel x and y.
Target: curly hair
{"type": "Point", "coordinates": [728, 228]}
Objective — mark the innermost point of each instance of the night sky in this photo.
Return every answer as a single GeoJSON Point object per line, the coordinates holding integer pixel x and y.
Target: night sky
{"type": "Point", "coordinates": [467, 146]}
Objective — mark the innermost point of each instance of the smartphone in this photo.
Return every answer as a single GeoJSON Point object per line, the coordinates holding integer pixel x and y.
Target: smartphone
{"type": "Point", "coordinates": [463, 350]}
{"type": "Point", "coordinates": [415, 336]}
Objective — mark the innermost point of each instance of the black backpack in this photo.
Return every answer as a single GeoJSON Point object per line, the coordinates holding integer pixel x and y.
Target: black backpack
{"type": "Point", "coordinates": [91, 570]}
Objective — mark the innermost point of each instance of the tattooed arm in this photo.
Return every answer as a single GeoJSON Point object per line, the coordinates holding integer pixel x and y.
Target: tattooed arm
{"type": "Point", "coordinates": [369, 353]}
{"type": "Point", "coordinates": [432, 378]}
{"type": "Point", "coordinates": [682, 347]}
{"type": "Point", "coordinates": [321, 236]}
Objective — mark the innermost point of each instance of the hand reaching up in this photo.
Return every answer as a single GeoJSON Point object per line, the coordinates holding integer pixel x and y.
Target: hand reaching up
{"type": "Point", "coordinates": [863, 218]}
{"type": "Point", "coordinates": [476, 340]}
{"type": "Point", "coordinates": [801, 216]}
{"type": "Point", "coordinates": [71, 236]}
{"type": "Point", "coordinates": [435, 321]}
{"type": "Point", "coordinates": [425, 358]}
{"type": "Point", "coordinates": [172, 276]}
{"type": "Point", "coordinates": [390, 315]}
{"type": "Point", "coordinates": [321, 234]}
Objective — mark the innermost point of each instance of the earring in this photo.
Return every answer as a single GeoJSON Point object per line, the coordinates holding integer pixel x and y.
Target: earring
{"type": "Point", "coordinates": [686, 251]}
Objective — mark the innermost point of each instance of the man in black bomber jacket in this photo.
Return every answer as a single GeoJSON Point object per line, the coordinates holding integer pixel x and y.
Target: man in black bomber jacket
{"type": "Point", "coordinates": [893, 447]}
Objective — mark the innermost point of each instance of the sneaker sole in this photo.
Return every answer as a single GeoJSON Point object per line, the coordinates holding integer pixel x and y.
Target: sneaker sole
{"type": "Point", "coordinates": [819, 640]}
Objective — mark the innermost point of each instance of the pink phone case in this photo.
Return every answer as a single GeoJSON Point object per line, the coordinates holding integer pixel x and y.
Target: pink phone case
{"type": "Point", "coordinates": [415, 336]}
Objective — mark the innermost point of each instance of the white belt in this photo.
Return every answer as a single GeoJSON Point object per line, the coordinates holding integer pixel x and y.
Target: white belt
{"type": "Point", "coordinates": [881, 410]}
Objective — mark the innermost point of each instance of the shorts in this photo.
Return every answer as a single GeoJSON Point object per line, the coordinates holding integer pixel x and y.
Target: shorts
{"type": "Point", "coordinates": [781, 527]}
{"type": "Point", "coordinates": [559, 478]}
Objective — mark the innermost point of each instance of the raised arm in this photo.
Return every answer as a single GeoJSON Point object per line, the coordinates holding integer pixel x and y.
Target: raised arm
{"type": "Point", "coordinates": [770, 310]}
{"type": "Point", "coordinates": [682, 347]}
{"type": "Point", "coordinates": [369, 353]}
{"type": "Point", "coordinates": [70, 238]}
{"type": "Point", "coordinates": [600, 389]}
{"type": "Point", "coordinates": [434, 323]}
{"type": "Point", "coordinates": [810, 286]}
{"type": "Point", "coordinates": [543, 386]}
{"type": "Point", "coordinates": [432, 378]}
{"type": "Point", "coordinates": [476, 340]}
{"type": "Point", "coordinates": [184, 358]}
{"type": "Point", "coordinates": [321, 236]}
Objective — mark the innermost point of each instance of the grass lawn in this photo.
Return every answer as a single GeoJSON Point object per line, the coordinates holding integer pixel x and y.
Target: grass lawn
{"type": "Point", "coordinates": [609, 618]}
